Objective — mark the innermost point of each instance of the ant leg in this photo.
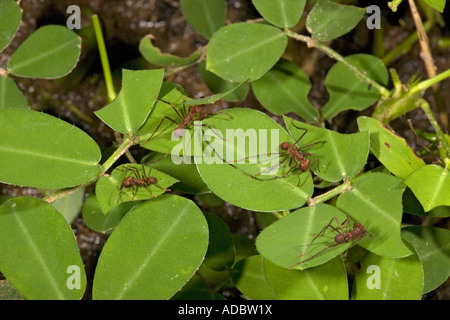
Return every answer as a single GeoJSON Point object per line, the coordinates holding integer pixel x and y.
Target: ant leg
{"type": "Point", "coordinates": [313, 256]}
{"type": "Point", "coordinates": [157, 127]}
{"type": "Point", "coordinates": [175, 109]}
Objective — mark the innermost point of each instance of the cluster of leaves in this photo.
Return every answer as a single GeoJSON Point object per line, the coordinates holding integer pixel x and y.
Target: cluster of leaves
{"type": "Point", "coordinates": [162, 245]}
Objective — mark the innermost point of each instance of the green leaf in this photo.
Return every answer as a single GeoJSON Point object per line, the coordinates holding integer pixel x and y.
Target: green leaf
{"type": "Point", "coordinates": [392, 150]}
{"type": "Point", "coordinates": [347, 90]}
{"type": "Point", "coordinates": [335, 156]}
{"type": "Point", "coordinates": [247, 137]}
{"type": "Point", "coordinates": [153, 55]}
{"type": "Point", "coordinates": [97, 220]}
{"type": "Point", "coordinates": [205, 16]}
{"type": "Point", "coordinates": [38, 251]}
{"type": "Point", "coordinates": [439, 5]}
{"type": "Point", "coordinates": [433, 248]}
{"type": "Point", "coordinates": [50, 52]}
{"type": "Point", "coordinates": [186, 173]}
{"type": "Point", "coordinates": [70, 205]}
{"type": "Point", "coordinates": [285, 89]}
{"type": "Point", "coordinates": [110, 192]}
{"type": "Point", "coordinates": [329, 20]}
{"type": "Point", "coordinates": [153, 252]}
{"type": "Point", "coordinates": [249, 278]}
{"type": "Point", "coordinates": [10, 17]}
{"type": "Point", "coordinates": [219, 85]}
{"type": "Point", "coordinates": [431, 185]}
{"type": "Point", "coordinates": [244, 51]}
{"type": "Point", "coordinates": [325, 282]}
{"type": "Point", "coordinates": [282, 13]}
{"type": "Point", "coordinates": [285, 240]}
{"type": "Point", "coordinates": [38, 150]}
{"type": "Point", "coordinates": [220, 254]}
{"type": "Point", "coordinates": [134, 101]}
{"type": "Point", "coordinates": [10, 95]}
{"type": "Point", "coordinates": [398, 279]}
{"type": "Point", "coordinates": [375, 201]}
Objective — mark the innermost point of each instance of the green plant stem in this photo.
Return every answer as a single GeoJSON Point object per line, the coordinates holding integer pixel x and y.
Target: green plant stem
{"type": "Point", "coordinates": [429, 82]}
{"type": "Point", "coordinates": [346, 186]}
{"type": "Point", "coordinates": [444, 150]}
{"type": "Point", "coordinates": [126, 144]}
{"type": "Point", "coordinates": [104, 58]}
{"type": "Point", "coordinates": [334, 55]}
{"type": "Point", "coordinates": [393, 5]}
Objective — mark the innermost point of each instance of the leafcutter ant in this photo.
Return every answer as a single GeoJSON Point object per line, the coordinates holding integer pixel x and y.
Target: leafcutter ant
{"type": "Point", "coordinates": [136, 181]}
{"type": "Point", "coordinates": [344, 236]}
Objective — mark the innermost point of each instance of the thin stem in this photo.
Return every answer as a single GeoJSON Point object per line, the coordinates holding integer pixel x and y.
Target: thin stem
{"type": "Point", "coordinates": [429, 82]}
{"type": "Point", "coordinates": [334, 55]}
{"type": "Point", "coordinates": [126, 144]}
{"type": "Point", "coordinates": [104, 58]}
{"type": "Point", "coordinates": [346, 186]}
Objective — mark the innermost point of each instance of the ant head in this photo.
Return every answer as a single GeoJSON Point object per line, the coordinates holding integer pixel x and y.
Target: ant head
{"type": "Point", "coordinates": [285, 145]}
{"type": "Point", "coordinates": [151, 180]}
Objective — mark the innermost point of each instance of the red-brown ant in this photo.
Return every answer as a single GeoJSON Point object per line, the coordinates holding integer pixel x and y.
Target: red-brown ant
{"type": "Point", "coordinates": [138, 181]}
{"type": "Point", "coordinates": [355, 235]}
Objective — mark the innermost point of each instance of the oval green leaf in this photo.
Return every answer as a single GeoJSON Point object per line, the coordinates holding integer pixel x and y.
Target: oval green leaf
{"type": "Point", "coordinates": [153, 252]}
{"type": "Point", "coordinates": [134, 101]}
{"type": "Point", "coordinates": [375, 201]}
{"type": "Point", "coordinates": [10, 17]}
{"type": "Point", "coordinates": [205, 16]}
{"type": "Point", "coordinates": [433, 248]}
{"type": "Point", "coordinates": [335, 156]}
{"type": "Point", "coordinates": [284, 241]}
{"type": "Point", "coordinates": [325, 282]}
{"type": "Point", "coordinates": [38, 251]}
{"type": "Point", "coordinates": [244, 51]}
{"type": "Point", "coordinates": [383, 278]}
{"type": "Point", "coordinates": [285, 88]}
{"type": "Point", "coordinates": [38, 150]}
{"type": "Point", "coordinates": [392, 150]}
{"type": "Point", "coordinates": [50, 52]}
{"type": "Point", "coordinates": [329, 20]}
{"type": "Point", "coordinates": [347, 90]}
{"type": "Point", "coordinates": [236, 166]}
{"type": "Point", "coordinates": [282, 13]}
{"type": "Point", "coordinates": [431, 185]}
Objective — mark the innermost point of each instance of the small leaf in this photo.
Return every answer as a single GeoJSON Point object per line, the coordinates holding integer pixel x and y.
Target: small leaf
{"type": "Point", "coordinates": [205, 16]}
{"type": "Point", "coordinates": [282, 13]}
{"type": "Point", "coordinates": [244, 51]}
{"type": "Point", "coordinates": [383, 278]}
{"type": "Point", "coordinates": [153, 55]}
{"type": "Point", "coordinates": [153, 252]}
{"type": "Point", "coordinates": [433, 248]}
{"type": "Point", "coordinates": [284, 241]}
{"type": "Point", "coordinates": [50, 52]}
{"type": "Point", "coordinates": [431, 185]}
{"type": "Point", "coordinates": [439, 5]}
{"type": "Point", "coordinates": [37, 248]}
{"type": "Point", "coordinates": [375, 201]}
{"type": "Point", "coordinates": [10, 17]}
{"type": "Point", "coordinates": [249, 277]}
{"type": "Point", "coordinates": [135, 100]}
{"type": "Point", "coordinates": [10, 95]}
{"type": "Point", "coordinates": [110, 192]}
{"type": "Point", "coordinates": [285, 89]}
{"type": "Point", "coordinates": [64, 155]}
{"type": "Point", "coordinates": [220, 254]}
{"type": "Point", "coordinates": [70, 205]}
{"type": "Point", "coordinates": [228, 163]}
{"type": "Point", "coordinates": [329, 20]}
{"type": "Point", "coordinates": [336, 156]}
{"type": "Point", "coordinates": [325, 282]}
{"type": "Point", "coordinates": [392, 150]}
{"type": "Point", "coordinates": [347, 90]}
